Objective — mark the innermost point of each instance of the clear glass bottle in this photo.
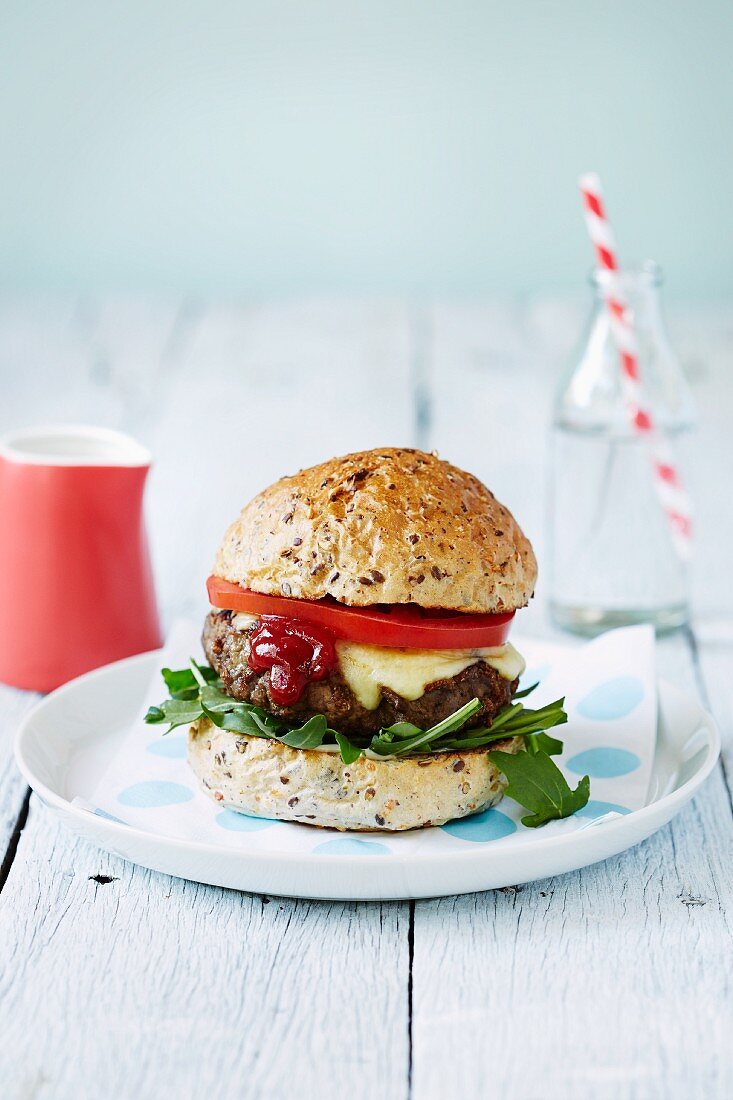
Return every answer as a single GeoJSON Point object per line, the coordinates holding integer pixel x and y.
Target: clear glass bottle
{"type": "Point", "coordinates": [612, 560]}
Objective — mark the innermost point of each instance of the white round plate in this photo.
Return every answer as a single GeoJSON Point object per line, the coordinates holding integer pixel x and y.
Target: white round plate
{"type": "Point", "coordinates": [68, 739]}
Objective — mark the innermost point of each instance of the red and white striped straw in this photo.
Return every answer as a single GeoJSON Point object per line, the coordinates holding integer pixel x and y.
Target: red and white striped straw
{"type": "Point", "coordinates": [667, 482]}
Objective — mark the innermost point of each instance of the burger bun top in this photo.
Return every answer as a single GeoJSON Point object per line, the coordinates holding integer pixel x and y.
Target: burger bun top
{"type": "Point", "coordinates": [388, 526]}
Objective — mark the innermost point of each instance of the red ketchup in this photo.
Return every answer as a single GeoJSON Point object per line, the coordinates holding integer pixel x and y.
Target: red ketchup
{"type": "Point", "coordinates": [295, 653]}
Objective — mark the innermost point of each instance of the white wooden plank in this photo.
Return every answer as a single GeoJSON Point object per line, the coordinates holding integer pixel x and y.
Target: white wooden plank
{"type": "Point", "coordinates": [42, 358]}
{"type": "Point", "coordinates": [68, 360]}
{"type": "Point", "coordinates": [703, 337]}
{"type": "Point", "coordinates": [65, 360]}
{"type": "Point", "coordinates": [237, 397]}
{"type": "Point", "coordinates": [266, 998]}
{"type": "Point", "coordinates": [129, 341]}
{"type": "Point", "coordinates": [260, 392]}
{"type": "Point", "coordinates": [716, 661]}
{"type": "Point", "coordinates": [494, 370]}
{"type": "Point", "coordinates": [38, 343]}
{"type": "Point", "coordinates": [491, 387]}
{"type": "Point", "coordinates": [150, 986]}
{"type": "Point", "coordinates": [13, 790]}
{"type": "Point", "coordinates": [615, 980]}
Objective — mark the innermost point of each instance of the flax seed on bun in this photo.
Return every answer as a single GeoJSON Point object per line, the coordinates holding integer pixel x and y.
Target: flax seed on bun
{"type": "Point", "coordinates": [388, 526]}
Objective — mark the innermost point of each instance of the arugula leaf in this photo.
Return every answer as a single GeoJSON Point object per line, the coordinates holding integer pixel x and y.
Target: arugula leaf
{"type": "Point", "coordinates": [525, 691]}
{"type": "Point", "coordinates": [469, 739]}
{"type": "Point", "coordinates": [534, 780]}
{"type": "Point", "coordinates": [197, 691]}
{"type": "Point", "coordinates": [401, 730]}
{"type": "Point", "coordinates": [551, 715]}
{"type": "Point", "coordinates": [349, 751]}
{"type": "Point", "coordinates": [408, 743]}
{"type": "Point", "coordinates": [177, 712]}
{"type": "Point", "coordinates": [240, 720]}
{"type": "Point", "coordinates": [308, 736]}
{"type": "Point", "coordinates": [542, 742]}
{"type": "Point", "coordinates": [513, 720]}
{"type": "Point", "coordinates": [182, 683]}
{"type": "Point", "coordinates": [214, 699]}
{"type": "Point", "coordinates": [536, 783]}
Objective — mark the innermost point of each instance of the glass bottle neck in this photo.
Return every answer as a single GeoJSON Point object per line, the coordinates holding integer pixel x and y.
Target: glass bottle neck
{"type": "Point", "coordinates": [592, 396]}
{"type": "Point", "coordinates": [638, 288]}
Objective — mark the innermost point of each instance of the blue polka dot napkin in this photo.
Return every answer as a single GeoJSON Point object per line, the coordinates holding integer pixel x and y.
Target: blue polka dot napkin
{"type": "Point", "coordinates": [609, 686]}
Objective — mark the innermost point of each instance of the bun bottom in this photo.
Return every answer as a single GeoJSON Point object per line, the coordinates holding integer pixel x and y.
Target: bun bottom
{"type": "Point", "coordinates": [264, 778]}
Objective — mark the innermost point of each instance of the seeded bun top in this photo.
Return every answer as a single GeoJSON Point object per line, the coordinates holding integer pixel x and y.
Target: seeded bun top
{"type": "Point", "coordinates": [388, 526]}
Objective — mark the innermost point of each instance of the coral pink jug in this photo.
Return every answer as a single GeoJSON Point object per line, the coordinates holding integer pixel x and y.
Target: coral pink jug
{"type": "Point", "coordinates": [76, 586]}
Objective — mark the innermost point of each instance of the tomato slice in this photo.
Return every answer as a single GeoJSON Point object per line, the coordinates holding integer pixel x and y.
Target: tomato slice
{"type": "Point", "coordinates": [398, 626]}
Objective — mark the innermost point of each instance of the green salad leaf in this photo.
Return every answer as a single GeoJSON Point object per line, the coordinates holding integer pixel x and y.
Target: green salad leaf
{"type": "Point", "coordinates": [526, 691]}
{"type": "Point", "coordinates": [404, 738]}
{"type": "Point", "coordinates": [183, 684]}
{"type": "Point", "coordinates": [309, 736]}
{"type": "Point", "coordinates": [542, 742]}
{"type": "Point", "coordinates": [349, 751]}
{"type": "Point", "coordinates": [176, 712]}
{"type": "Point", "coordinates": [534, 780]}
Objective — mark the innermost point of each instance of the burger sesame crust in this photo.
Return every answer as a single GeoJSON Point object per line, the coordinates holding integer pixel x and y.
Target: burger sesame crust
{"type": "Point", "coordinates": [263, 778]}
{"type": "Point", "coordinates": [388, 526]}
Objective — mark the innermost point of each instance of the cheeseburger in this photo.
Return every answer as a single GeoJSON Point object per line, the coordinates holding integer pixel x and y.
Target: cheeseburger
{"type": "Point", "coordinates": [359, 670]}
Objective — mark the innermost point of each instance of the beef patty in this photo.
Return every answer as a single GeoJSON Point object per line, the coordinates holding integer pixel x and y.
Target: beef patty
{"type": "Point", "coordinates": [227, 650]}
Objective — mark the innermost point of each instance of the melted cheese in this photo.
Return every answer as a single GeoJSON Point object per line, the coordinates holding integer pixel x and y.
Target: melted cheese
{"type": "Point", "coordinates": [243, 621]}
{"type": "Point", "coordinates": [367, 669]}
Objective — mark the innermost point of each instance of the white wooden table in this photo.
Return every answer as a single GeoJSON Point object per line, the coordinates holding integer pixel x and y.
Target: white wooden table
{"type": "Point", "coordinates": [614, 981]}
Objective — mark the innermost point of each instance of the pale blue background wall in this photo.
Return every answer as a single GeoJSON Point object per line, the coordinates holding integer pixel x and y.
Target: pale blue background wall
{"type": "Point", "coordinates": [291, 145]}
